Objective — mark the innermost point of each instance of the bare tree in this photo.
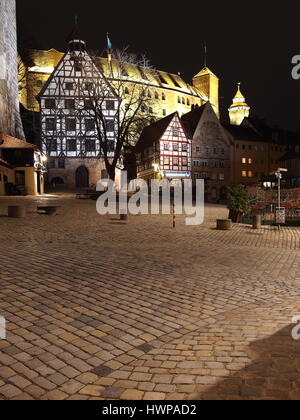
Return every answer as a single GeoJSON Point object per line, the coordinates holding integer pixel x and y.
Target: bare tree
{"type": "Point", "coordinates": [130, 77]}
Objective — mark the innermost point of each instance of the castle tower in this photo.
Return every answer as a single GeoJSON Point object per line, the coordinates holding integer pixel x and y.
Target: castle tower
{"type": "Point", "coordinates": [208, 84]}
{"type": "Point", "coordinates": [10, 120]}
{"type": "Point", "coordinates": [239, 110]}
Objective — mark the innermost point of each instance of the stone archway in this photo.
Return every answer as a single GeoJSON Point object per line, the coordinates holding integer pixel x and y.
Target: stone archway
{"type": "Point", "coordinates": [82, 177]}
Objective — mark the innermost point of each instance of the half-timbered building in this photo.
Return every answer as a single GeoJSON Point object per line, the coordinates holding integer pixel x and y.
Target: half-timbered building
{"type": "Point", "coordinates": [69, 131]}
{"type": "Point", "coordinates": [164, 150]}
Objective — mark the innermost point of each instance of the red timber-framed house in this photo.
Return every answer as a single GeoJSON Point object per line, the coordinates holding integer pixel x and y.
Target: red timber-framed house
{"type": "Point", "coordinates": [164, 150]}
{"type": "Point", "coordinates": [69, 132]}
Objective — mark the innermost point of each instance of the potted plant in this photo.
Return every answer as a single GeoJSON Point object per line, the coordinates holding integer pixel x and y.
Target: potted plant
{"type": "Point", "coordinates": [238, 203]}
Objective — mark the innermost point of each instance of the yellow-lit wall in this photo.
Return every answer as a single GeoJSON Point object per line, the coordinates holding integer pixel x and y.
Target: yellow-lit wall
{"type": "Point", "coordinates": [30, 179]}
{"type": "Point", "coordinates": [46, 61]}
{"type": "Point", "coordinates": [208, 84]}
{"type": "Point", "coordinates": [10, 177]}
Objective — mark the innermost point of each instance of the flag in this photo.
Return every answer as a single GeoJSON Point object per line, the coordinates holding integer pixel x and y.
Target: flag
{"type": "Point", "coordinates": [109, 43]}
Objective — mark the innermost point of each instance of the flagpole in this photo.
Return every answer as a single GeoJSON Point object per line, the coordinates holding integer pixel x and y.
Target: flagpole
{"type": "Point", "coordinates": [109, 52]}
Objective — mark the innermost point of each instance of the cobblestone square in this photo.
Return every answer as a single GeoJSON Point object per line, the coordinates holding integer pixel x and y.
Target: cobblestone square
{"type": "Point", "coordinates": [100, 309]}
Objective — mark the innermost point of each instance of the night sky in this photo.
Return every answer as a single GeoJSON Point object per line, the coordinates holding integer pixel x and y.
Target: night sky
{"type": "Point", "coordinates": [251, 42]}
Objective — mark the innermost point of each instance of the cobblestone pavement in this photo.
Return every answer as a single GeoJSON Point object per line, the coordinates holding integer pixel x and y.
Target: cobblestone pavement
{"type": "Point", "coordinates": [99, 309]}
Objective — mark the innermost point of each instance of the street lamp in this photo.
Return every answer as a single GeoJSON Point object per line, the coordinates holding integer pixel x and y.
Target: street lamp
{"type": "Point", "coordinates": [279, 215]}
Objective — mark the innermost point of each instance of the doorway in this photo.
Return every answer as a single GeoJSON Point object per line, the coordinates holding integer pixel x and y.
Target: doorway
{"type": "Point", "coordinates": [82, 177]}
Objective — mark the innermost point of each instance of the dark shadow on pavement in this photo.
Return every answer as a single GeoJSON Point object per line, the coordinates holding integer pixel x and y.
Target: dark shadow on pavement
{"type": "Point", "coordinates": [274, 375]}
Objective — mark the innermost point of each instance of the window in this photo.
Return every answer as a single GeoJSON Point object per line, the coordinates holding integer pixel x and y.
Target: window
{"type": "Point", "coordinates": [126, 91]}
{"type": "Point", "coordinates": [166, 161]}
{"type": "Point", "coordinates": [166, 147]}
{"type": "Point", "coordinates": [184, 147]}
{"type": "Point", "coordinates": [184, 162]}
{"type": "Point", "coordinates": [52, 145]}
{"type": "Point", "coordinates": [51, 164]}
{"type": "Point", "coordinates": [111, 146]}
{"type": "Point", "coordinates": [149, 94]}
{"type": "Point", "coordinates": [250, 174]}
{"type": "Point", "coordinates": [244, 161]}
{"type": "Point", "coordinates": [188, 102]}
{"type": "Point", "coordinates": [110, 125]}
{"type": "Point", "coordinates": [78, 67]}
{"type": "Point", "coordinates": [90, 145]}
{"type": "Point", "coordinates": [69, 86]}
{"type": "Point", "coordinates": [70, 104]}
{"type": "Point", "coordinates": [183, 101]}
{"type": "Point", "coordinates": [175, 147]}
{"type": "Point", "coordinates": [244, 174]}
{"type": "Point", "coordinates": [198, 149]}
{"type": "Point", "coordinates": [161, 79]}
{"type": "Point", "coordinates": [175, 132]}
{"type": "Point", "coordinates": [88, 104]}
{"type": "Point", "coordinates": [179, 100]}
{"type": "Point", "coordinates": [50, 104]}
{"type": "Point", "coordinates": [163, 96]}
{"type": "Point", "coordinates": [110, 105]}
{"type": "Point", "coordinates": [70, 124]}
{"type": "Point", "coordinates": [151, 110]}
{"type": "Point", "coordinates": [89, 124]}
{"type": "Point", "coordinates": [88, 86]}
{"type": "Point", "coordinates": [156, 95]}
{"type": "Point", "coordinates": [196, 163]}
{"type": "Point", "coordinates": [250, 161]}
{"type": "Point", "coordinates": [61, 164]}
{"type": "Point", "coordinates": [71, 145]}
{"type": "Point", "coordinates": [50, 124]}
{"type": "Point", "coordinates": [221, 177]}
{"type": "Point", "coordinates": [175, 162]}
{"type": "Point", "coordinates": [164, 112]}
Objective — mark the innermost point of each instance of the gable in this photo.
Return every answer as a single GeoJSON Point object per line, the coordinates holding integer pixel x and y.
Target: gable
{"type": "Point", "coordinates": [76, 70]}
{"type": "Point", "coordinates": [175, 126]}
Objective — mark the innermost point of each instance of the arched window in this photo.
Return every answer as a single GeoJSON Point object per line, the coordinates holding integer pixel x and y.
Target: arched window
{"type": "Point", "coordinates": [163, 96]}
{"type": "Point", "coordinates": [156, 95]}
{"type": "Point", "coordinates": [126, 91]}
{"type": "Point", "coordinates": [183, 101]}
{"type": "Point", "coordinates": [149, 94]}
{"type": "Point", "coordinates": [179, 100]}
{"type": "Point", "coordinates": [188, 102]}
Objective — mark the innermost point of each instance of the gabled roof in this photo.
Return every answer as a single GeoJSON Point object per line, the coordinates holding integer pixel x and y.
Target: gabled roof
{"type": "Point", "coordinates": [192, 118]}
{"type": "Point", "coordinates": [204, 72]}
{"type": "Point", "coordinates": [246, 133]}
{"type": "Point", "coordinates": [154, 132]}
{"type": "Point", "coordinates": [8, 142]}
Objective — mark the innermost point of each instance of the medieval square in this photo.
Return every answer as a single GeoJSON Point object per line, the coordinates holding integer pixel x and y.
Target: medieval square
{"type": "Point", "coordinates": [107, 292]}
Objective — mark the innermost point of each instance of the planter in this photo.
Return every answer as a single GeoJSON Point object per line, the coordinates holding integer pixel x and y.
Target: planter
{"type": "Point", "coordinates": [16, 212]}
{"type": "Point", "coordinates": [224, 224]}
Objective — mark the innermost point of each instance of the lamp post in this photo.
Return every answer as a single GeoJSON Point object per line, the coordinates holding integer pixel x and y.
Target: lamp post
{"type": "Point", "coordinates": [280, 217]}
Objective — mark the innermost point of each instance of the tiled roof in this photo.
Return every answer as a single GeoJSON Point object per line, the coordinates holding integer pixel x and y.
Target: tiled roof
{"type": "Point", "coordinates": [192, 118]}
{"type": "Point", "coordinates": [8, 142]}
{"type": "Point", "coordinates": [154, 132]}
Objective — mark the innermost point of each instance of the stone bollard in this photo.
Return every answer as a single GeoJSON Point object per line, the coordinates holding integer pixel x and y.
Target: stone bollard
{"type": "Point", "coordinates": [224, 224]}
{"type": "Point", "coordinates": [16, 212]}
{"type": "Point", "coordinates": [257, 222]}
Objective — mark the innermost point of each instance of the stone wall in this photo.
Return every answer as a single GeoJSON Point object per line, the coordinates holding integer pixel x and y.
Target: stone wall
{"type": "Point", "coordinates": [10, 120]}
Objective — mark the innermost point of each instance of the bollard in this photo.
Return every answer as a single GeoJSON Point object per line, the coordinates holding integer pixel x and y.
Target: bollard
{"type": "Point", "coordinates": [224, 224]}
{"type": "Point", "coordinates": [257, 222]}
{"type": "Point", "coordinates": [16, 212]}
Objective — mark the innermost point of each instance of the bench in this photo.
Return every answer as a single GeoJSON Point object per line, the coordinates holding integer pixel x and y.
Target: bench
{"type": "Point", "coordinates": [48, 210]}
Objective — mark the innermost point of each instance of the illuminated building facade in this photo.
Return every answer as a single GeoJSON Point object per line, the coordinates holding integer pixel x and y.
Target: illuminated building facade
{"type": "Point", "coordinates": [68, 129]}
{"type": "Point", "coordinates": [164, 150]}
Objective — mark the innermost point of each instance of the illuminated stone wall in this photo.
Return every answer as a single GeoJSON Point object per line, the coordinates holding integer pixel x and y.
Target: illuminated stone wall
{"type": "Point", "coordinates": [10, 121]}
{"type": "Point", "coordinates": [179, 98]}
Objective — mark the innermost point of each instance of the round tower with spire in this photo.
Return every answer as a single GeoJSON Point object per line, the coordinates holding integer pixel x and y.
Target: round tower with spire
{"type": "Point", "coordinates": [239, 109]}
